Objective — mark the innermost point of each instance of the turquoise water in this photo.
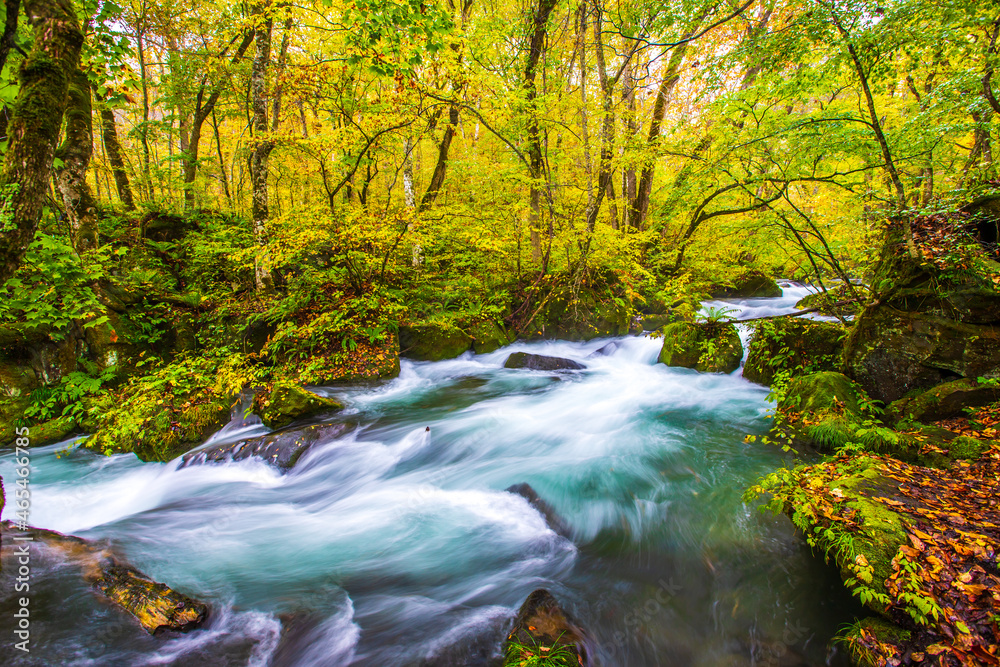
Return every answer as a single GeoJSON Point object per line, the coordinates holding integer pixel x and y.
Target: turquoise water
{"type": "Point", "coordinates": [397, 544]}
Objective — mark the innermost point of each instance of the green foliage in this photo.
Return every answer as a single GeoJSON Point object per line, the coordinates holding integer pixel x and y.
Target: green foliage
{"type": "Point", "coordinates": [54, 288]}
{"type": "Point", "coordinates": [538, 655]}
{"type": "Point", "coordinates": [70, 397]}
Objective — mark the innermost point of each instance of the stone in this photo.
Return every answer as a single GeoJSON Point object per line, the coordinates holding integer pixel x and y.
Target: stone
{"type": "Point", "coordinates": [945, 401]}
{"type": "Point", "coordinates": [927, 326]}
{"type": "Point", "coordinates": [282, 449]}
{"type": "Point", "coordinates": [792, 345]}
{"type": "Point", "coordinates": [432, 341]}
{"type": "Point", "coordinates": [749, 285]}
{"type": "Point", "coordinates": [287, 402]}
{"type": "Point", "coordinates": [539, 362]}
{"type": "Point", "coordinates": [708, 347]}
{"type": "Point", "coordinates": [542, 623]}
{"type": "Point", "coordinates": [156, 606]}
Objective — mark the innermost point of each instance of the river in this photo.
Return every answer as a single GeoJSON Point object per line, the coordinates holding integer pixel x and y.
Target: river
{"type": "Point", "coordinates": [397, 544]}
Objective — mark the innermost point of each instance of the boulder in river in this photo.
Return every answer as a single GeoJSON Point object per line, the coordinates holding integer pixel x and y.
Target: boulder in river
{"type": "Point", "coordinates": [287, 402]}
{"type": "Point", "coordinates": [709, 347]}
{"type": "Point", "coordinates": [282, 449]}
{"type": "Point", "coordinates": [749, 284]}
{"type": "Point", "coordinates": [433, 341]}
{"type": "Point", "coordinates": [552, 519]}
{"type": "Point", "coordinates": [156, 606]}
{"type": "Point", "coordinates": [793, 345]}
{"type": "Point", "coordinates": [540, 362]}
{"type": "Point", "coordinates": [543, 630]}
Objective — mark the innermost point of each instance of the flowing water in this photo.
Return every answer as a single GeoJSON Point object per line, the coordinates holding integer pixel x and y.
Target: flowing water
{"type": "Point", "coordinates": [396, 544]}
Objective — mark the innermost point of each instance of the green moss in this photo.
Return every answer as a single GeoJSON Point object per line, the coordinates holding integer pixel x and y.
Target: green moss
{"type": "Point", "coordinates": [709, 347]}
{"type": "Point", "coordinates": [287, 402]}
{"type": "Point", "coordinates": [160, 415]}
{"type": "Point", "coordinates": [433, 341]}
{"type": "Point", "coordinates": [51, 431]}
{"type": "Point", "coordinates": [884, 631]}
{"type": "Point", "coordinates": [488, 336]}
{"type": "Point", "coordinates": [749, 284]}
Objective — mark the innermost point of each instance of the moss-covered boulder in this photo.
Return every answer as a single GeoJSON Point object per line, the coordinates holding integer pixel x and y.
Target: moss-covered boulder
{"type": "Point", "coordinates": [747, 285]}
{"type": "Point", "coordinates": [913, 543]}
{"type": "Point", "coordinates": [161, 432]}
{"type": "Point", "coordinates": [489, 336]}
{"type": "Point", "coordinates": [792, 345]}
{"type": "Point", "coordinates": [928, 325]}
{"type": "Point", "coordinates": [945, 400]}
{"type": "Point", "coordinates": [586, 315]}
{"type": "Point", "coordinates": [156, 606]}
{"type": "Point", "coordinates": [51, 431]}
{"type": "Point", "coordinates": [285, 403]}
{"type": "Point", "coordinates": [544, 634]}
{"type": "Point", "coordinates": [433, 341]}
{"type": "Point", "coordinates": [709, 347]}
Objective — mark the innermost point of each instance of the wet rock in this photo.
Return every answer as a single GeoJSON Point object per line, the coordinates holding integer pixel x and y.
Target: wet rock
{"type": "Point", "coordinates": [282, 450]}
{"type": "Point", "coordinates": [605, 350]}
{"type": "Point", "coordinates": [792, 345]}
{"type": "Point", "coordinates": [156, 606]}
{"type": "Point", "coordinates": [552, 519]}
{"type": "Point", "coordinates": [433, 341]}
{"type": "Point", "coordinates": [542, 624]}
{"type": "Point", "coordinates": [927, 326]}
{"type": "Point", "coordinates": [540, 362]}
{"type": "Point", "coordinates": [287, 402]}
{"type": "Point", "coordinates": [945, 401]}
{"type": "Point", "coordinates": [750, 284]}
{"type": "Point", "coordinates": [819, 410]}
{"type": "Point", "coordinates": [709, 347]}
{"type": "Point", "coordinates": [488, 337]}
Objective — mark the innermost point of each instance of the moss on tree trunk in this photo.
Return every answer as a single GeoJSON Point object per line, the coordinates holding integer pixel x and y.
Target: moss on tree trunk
{"type": "Point", "coordinates": [34, 127]}
{"type": "Point", "coordinates": [75, 152]}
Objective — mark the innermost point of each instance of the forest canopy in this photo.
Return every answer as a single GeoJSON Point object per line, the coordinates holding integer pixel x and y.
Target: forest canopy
{"type": "Point", "coordinates": [244, 192]}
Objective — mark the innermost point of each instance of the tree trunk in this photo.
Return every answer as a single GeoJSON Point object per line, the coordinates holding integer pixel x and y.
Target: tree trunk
{"type": "Point", "coordinates": [13, 7]}
{"type": "Point", "coordinates": [640, 205]}
{"type": "Point", "coordinates": [109, 132]}
{"type": "Point", "coordinates": [409, 194]}
{"type": "Point", "coordinates": [261, 153]}
{"type": "Point", "coordinates": [75, 152]}
{"type": "Point", "coordinates": [144, 133]}
{"type": "Point", "coordinates": [540, 23]}
{"type": "Point", "coordinates": [203, 109]}
{"type": "Point", "coordinates": [35, 124]}
{"type": "Point", "coordinates": [441, 168]}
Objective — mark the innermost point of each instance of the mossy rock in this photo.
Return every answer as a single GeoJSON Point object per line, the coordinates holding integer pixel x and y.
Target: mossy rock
{"type": "Point", "coordinates": [945, 401]}
{"type": "Point", "coordinates": [892, 353]}
{"type": "Point", "coordinates": [51, 431]}
{"type": "Point", "coordinates": [927, 326]}
{"type": "Point", "coordinates": [488, 336]}
{"type": "Point", "coordinates": [287, 402]}
{"type": "Point", "coordinates": [159, 432]}
{"type": "Point", "coordinates": [792, 345]}
{"type": "Point", "coordinates": [824, 301]}
{"type": "Point", "coordinates": [433, 341]}
{"type": "Point", "coordinates": [586, 316]}
{"type": "Point", "coordinates": [709, 347]}
{"type": "Point", "coordinates": [543, 630]}
{"type": "Point", "coordinates": [748, 285]}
